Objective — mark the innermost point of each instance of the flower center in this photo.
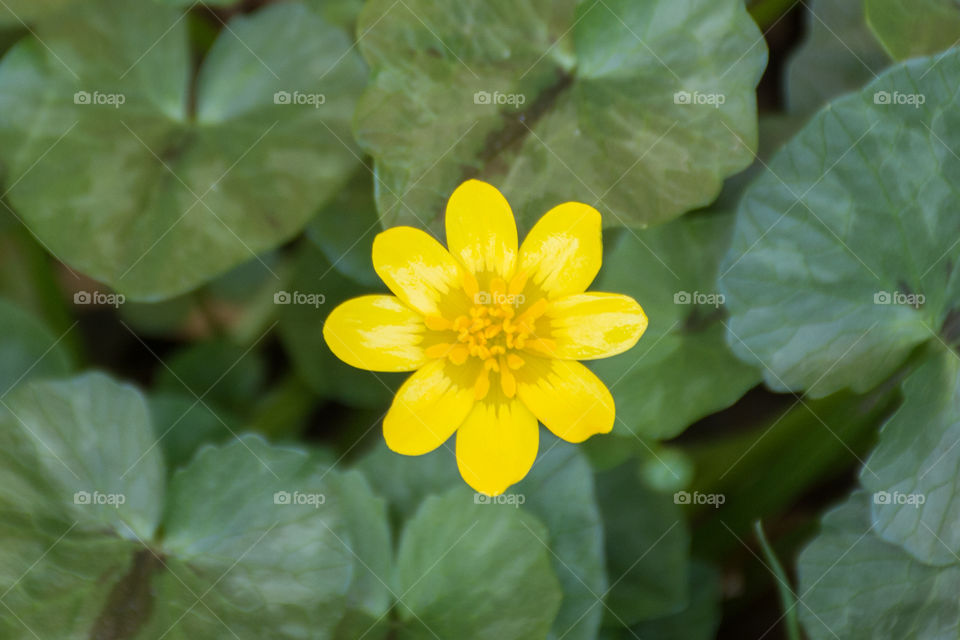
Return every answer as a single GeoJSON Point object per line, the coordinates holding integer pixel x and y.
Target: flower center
{"type": "Point", "coordinates": [493, 330]}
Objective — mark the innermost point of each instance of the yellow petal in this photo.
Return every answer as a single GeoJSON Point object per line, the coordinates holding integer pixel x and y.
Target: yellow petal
{"type": "Point", "coordinates": [594, 325]}
{"type": "Point", "coordinates": [481, 231]}
{"type": "Point", "coordinates": [377, 333]}
{"type": "Point", "coordinates": [566, 397]}
{"type": "Point", "coordinates": [416, 267]}
{"type": "Point", "coordinates": [427, 409]}
{"type": "Point", "coordinates": [497, 444]}
{"type": "Point", "coordinates": [563, 251]}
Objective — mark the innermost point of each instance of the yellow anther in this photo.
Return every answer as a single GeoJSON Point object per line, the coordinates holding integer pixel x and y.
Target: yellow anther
{"type": "Point", "coordinates": [493, 330]}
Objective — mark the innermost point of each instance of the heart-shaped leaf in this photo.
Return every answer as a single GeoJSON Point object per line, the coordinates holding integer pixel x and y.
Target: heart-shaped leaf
{"type": "Point", "coordinates": [248, 539]}
{"type": "Point", "coordinates": [844, 256]}
{"type": "Point", "coordinates": [153, 181]}
{"type": "Point", "coordinates": [640, 107]}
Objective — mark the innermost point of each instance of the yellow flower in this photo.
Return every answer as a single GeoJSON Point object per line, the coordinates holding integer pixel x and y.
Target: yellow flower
{"type": "Point", "coordinates": [493, 333]}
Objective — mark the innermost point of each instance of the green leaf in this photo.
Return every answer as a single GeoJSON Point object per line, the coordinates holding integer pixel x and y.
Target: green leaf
{"type": "Point", "coordinates": [322, 288]}
{"type": "Point", "coordinates": [910, 28]}
{"type": "Point", "coordinates": [835, 241]}
{"type": "Point", "coordinates": [855, 586]}
{"type": "Point", "coordinates": [474, 571]}
{"type": "Point", "coordinates": [838, 54]}
{"type": "Point", "coordinates": [27, 348]}
{"type": "Point", "coordinates": [681, 370]}
{"type": "Point", "coordinates": [647, 548]}
{"type": "Point", "coordinates": [248, 539]}
{"type": "Point", "coordinates": [558, 490]}
{"type": "Point", "coordinates": [264, 564]}
{"type": "Point", "coordinates": [558, 101]}
{"type": "Point", "coordinates": [168, 179]}
{"type": "Point", "coordinates": [913, 471]}
{"type": "Point", "coordinates": [72, 517]}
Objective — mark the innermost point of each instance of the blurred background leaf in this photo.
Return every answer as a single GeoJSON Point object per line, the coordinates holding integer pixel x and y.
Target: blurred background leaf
{"type": "Point", "coordinates": [163, 174]}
